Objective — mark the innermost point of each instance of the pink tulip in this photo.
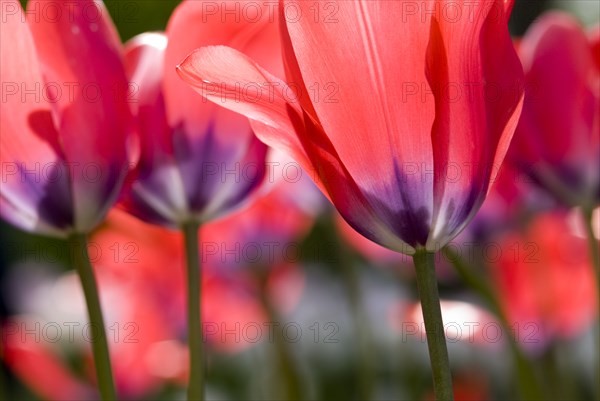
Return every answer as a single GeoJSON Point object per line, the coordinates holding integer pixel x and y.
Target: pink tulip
{"type": "Point", "coordinates": [38, 365]}
{"type": "Point", "coordinates": [65, 116]}
{"type": "Point", "coordinates": [399, 110]}
{"type": "Point", "coordinates": [557, 141]}
{"type": "Point", "coordinates": [546, 281]}
{"type": "Point", "coordinates": [197, 160]}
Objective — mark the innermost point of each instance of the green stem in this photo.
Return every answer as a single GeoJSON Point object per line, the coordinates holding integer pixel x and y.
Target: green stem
{"type": "Point", "coordinates": [595, 259]}
{"type": "Point", "coordinates": [528, 383]}
{"type": "Point", "coordinates": [592, 243]}
{"type": "Point", "coordinates": [434, 325]}
{"type": "Point", "coordinates": [285, 360]}
{"type": "Point", "coordinates": [194, 317]}
{"type": "Point", "coordinates": [3, 383]}
{"type": "Point", "coordinates": [81, 260]}
{"type": "Point", "coordinates": [366, 366]}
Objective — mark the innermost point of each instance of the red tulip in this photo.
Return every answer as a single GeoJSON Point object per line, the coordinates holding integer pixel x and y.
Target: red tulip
{"type": "Point", "coordinates": [197, 160]}
{"type": "Point", "coordinates": [400, 110]}
{"type": "Point", "coordinates": [37, 363]}
{"type": "Point", "coordinates": [65, 116]}
{"type": "Point", "coordinates": [557, 141]}
{"type": "Point", "coordinates": [546, 281]}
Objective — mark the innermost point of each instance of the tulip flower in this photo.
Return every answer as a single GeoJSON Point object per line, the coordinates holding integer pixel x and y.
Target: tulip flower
{"type": "Point", "coordinates": [197, 160]}
{"type": "Point", "coordinates": [557, 140]}
{"type": "Point", "coordinates": [65, 131]}
{"type": "Point", "coordinates": [399, 110]}
{"type": "Point", "coordinates": [545, 281]}
{"type": "Point", "coordinates": [399, 198]}
{"type": "Point", "coordinates": [65, 119]}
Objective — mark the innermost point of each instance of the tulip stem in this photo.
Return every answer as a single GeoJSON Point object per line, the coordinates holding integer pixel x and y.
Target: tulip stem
{"type": "Point", "coordinates": [588, 214]}
{"type": "Point", "coordinates": [434, 325]}
{"type": "Point", "coordinates": [81, 261]}
{"type": "Point", "coordinates": [283, 354]}
{"type": "Point", "coordinates": [529, 385]}
{"type": "Point", "coordinates": [196, 374]}
{"type": "Point", "coordinates": [592, 242]}
{"type": "Point", "coordinates": [366, 365]}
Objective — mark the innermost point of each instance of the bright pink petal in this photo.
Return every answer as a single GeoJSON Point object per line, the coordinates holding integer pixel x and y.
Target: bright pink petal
{"type": "Point", "coordinates": [80, 52]}
{"type": "Point", "coordinates": [195, 24]}
{"type": "Point", "coordinates": [558, 131]}
{"type": "Point", "coordinates": [210, 141]}
{"type": "Point", "coordinates": [368, 141]}
{"type": "Point", "coordinates": [143, 58]}
{"type": "Point", "coordinates": [476, 78]}
{"type": "Point", "coordinates": [35, 192]}
{"type": "Point", "coordinates": [278, 121]}
{"type": "Point", "coordinates": [219, 72]}
{"type": "Point", "coordinates": [508, 7]}
{"type": "Point", "coordinates": [375, 110]}
{"type": "Point", "coordinates": [558, 62]}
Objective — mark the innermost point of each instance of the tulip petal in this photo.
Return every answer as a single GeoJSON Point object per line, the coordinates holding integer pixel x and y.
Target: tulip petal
{"type": "Point", "coordinates": [221, 24]}
{"type": "Point", "coordinates": [218, 73]}
{"type": "Point", "coordinates": [594, 38]}
{"type": "Point", "coordinates": [466, 58]}
{"type": "Point", "coordinates": [376, 110]}
{"type": "Point", "coordinates": [91, 100]}
{"type": "Point", "coordinates": [559, 127]}
{"type": "Point", "coordinates": [192, 25]}
{"type": "Point", "coordinates": [157, 193]}
{"type": "Point", "coordinates": [35, 192]}
{"type": "Point", "coordinates": [232, 182]}
{"type": "Point", "coordinates": [334, 180]}
{"type": "Point", "coordinates": [223, 138]}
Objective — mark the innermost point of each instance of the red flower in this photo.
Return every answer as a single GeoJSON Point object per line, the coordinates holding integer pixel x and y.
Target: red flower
{"type": "Point", "coordinates": [38, 365]}
{"type": "Point", "coordinates": [546, 281]}
{"type": "Point", "coordinates": [197, 160]}
{"type": "Point", "coordinates": [400, 113]}
{"type": "Point", "coordinates": [65, 117]}
{"type": "Point", "coordinates": [557, 141]}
